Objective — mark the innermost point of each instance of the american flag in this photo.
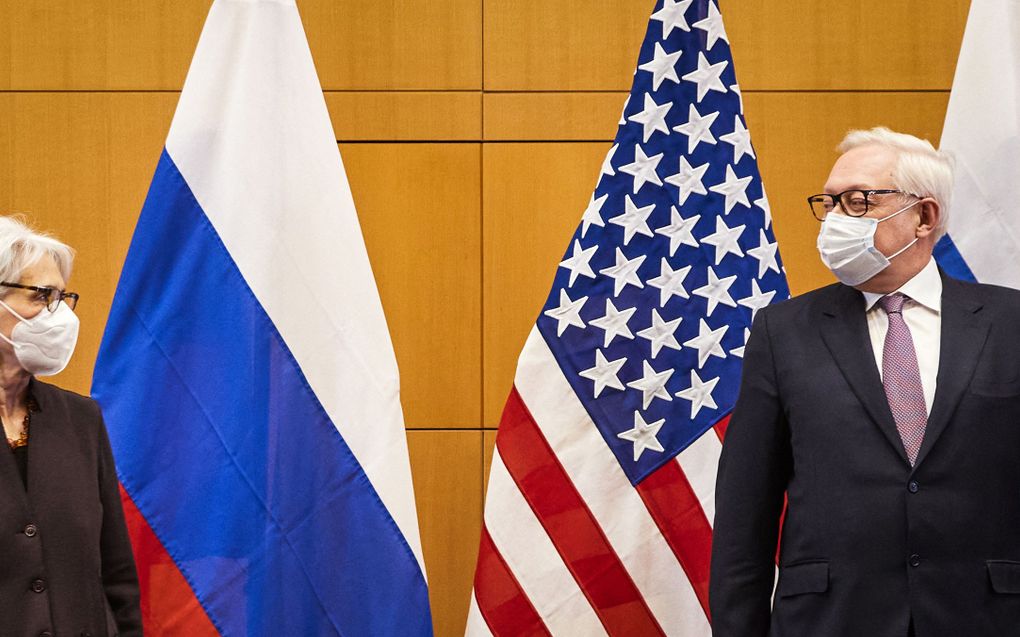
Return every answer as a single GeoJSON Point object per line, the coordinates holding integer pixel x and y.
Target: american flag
{"type": "Point", "coordinates": [598, 517]}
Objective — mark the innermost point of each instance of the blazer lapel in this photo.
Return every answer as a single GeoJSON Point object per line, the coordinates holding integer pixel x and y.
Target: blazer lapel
{"type": "Point", "coordinates": [964, 331]}
{"type": "Point", "coordinates": [46, 455]}
{"type": "Point", "coordinates": [845, 332]}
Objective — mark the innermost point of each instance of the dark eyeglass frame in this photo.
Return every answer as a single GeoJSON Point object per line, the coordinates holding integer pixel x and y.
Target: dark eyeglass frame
{"type": "Point", "coordinates": [52, 302]}
{"type": "Point", "coordinates": [839, 199]}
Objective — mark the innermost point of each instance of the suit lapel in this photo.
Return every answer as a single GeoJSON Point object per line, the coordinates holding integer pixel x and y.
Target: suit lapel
{"type": "Point", "coordinates": [46, 459]}
{"type": "Point", "coordinates": [964, 331]}
{"type": "Point", "coordinates": [845, 333]}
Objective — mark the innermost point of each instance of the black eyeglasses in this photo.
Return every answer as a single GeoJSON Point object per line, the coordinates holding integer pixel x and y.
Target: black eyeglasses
{"type": "Point", "coordinates": [50, 296]}
{"type": "Point", "coordinates": [855, 203]}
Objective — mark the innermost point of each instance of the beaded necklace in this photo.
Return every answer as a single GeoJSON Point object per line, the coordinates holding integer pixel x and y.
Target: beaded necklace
{"type": "Point", "coordinates": [22, 440]}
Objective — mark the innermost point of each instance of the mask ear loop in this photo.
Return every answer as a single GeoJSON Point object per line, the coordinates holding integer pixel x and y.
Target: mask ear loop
{"type": "Point", "coordinates": [901, 250]}
{"type": "Point", "coordinates": [904, 248]}
{"type": "Point", "coordinates": [17, 316]}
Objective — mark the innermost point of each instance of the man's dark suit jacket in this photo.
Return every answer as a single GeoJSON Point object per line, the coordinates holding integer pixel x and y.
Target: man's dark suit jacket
{"type": "Point", "coordinates": [64, 549]}
{"type": "Point", "coordinates": [867, 541]}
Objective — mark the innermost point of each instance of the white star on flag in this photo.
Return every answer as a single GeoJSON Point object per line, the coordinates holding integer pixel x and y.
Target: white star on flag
{"type": "Point", "coordinates": [765, 253]}
{"type": "Point", "coordinates": [634, 220]}
{"type": "Point", "coordinates": [670, 282]}
{"type": "Point", "coordinates": [604, 373]}
{"type": "Point", "coordinates": [763, 203]}
{"type": "Point", "coordinates": [652, 384]}
{"type": "Point", "coordinates": [712, 26]}
{"type": "Point", "coordinates": [680, 231]}
{"type": "Point", "coordinates": [740, 96]}
{"type": "Point", "coordinates": [740, 139]}
{"type": "Point", "coordinates": [698, 128]}
{"type": "Point", "coordinates": [643, 168]}
{"type": "Point", "coordinates": [699, 393]}
{"type": "Point", "coordinates": [671, 15]}
{"type": "Point", "coordinates": [653, 118]}
{"type": "Point", "coordinates": [661, 333]}
{"type": "Point", "coordinates": [724, 239]}
{"type": "Point", "coordinates": [757, 299]}
{"type": "Point", "coordinates": [717, 291]}
{"type": "Point", "coordinates": [579, 262]}
{"type": "Point", "coordinates": [689, 179]}
{"type": "Point", "coordinates": [707, 76]}
{"type": "Point", "coordinates": [708, 342]}
{"type": "Point", "coordinates": [662, 66]}
{"type": "Point", "coordinates": [593, 214]}
{"type": "Point", "coordinates": [607, 163]}
{"type": "Point", "coordinates": [568, 313]}
{"type": "Point", "coordinates": [614, 322]}
{"type": "Point", "coordinates": [643, 435]}
{"type": "Point", "coordinates": [733, 188]}
{"type": "Point", "coordinates": [624, 272]}
{"type": "Point", "coordinates": [739, 351]}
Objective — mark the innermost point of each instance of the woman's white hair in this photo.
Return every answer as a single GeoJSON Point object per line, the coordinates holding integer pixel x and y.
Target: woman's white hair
{"type": "Point", "coordinates": [21, 247]}
{"type": "Point", "coordinates": [920, 169]}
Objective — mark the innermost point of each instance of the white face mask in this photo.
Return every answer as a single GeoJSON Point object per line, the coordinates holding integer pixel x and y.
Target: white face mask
{"type": "Point", "coordinates": [44, 343]}
{"type": "Point", "coordinates": [847, 246]}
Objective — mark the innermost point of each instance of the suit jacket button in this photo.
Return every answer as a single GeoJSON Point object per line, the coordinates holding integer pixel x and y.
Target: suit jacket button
{"type": "Point", "coordinates": [913, 487]}
{"type": "Point", "coordinates": [915, 560]}
{"type": "Point", "coordinates": [31, 530]}
{"type": "Point", "coordinates": [38, 585]}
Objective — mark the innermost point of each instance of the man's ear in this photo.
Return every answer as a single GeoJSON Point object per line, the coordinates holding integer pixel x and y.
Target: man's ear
{"type": "Point", "coordinates": [930, 215]}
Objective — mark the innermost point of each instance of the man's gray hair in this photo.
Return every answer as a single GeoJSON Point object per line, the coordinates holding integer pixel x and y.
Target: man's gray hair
{"type": "Point", "coordinates": [21, 247]}
{"type": "Point", "coordinates": [920, 169]}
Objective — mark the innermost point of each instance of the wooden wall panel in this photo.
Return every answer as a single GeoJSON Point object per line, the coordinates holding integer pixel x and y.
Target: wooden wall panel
{"type": "Point", "coordinates": [488, 446]}
{"type": "Point", "coordinates": [406, 44]}
{"type": "Point", "coordinates": [148, 44]}
{"type": "Point", "coordinates": [405, 115]}
{"type": "Point", "coordinates": [79, 165]}
{"type": "Point", "coordinates": [446, 468]}
{"type": "Point", "coordinates": [536, 45]}
{"type": "Point", "coordinates": [561, 116]}
{"type": "Point", "coordinates": [863, 45]}
{"type": "Point", "coordinates": [419, 211]}
{"type": "Point", "coordinates": [121, 45]}
{"type": "Point", "coordinates": [568, 45]}
{"type": "Point", "coordinates": [534, 195]}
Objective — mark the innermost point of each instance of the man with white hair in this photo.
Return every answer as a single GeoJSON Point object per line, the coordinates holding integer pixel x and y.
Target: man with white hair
{"type": "Point", "coordinates": [885, 410]}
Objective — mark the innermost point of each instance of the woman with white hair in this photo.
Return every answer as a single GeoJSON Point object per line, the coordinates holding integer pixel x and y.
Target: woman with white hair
{"type": "Point", "coordinates": [67, 566]}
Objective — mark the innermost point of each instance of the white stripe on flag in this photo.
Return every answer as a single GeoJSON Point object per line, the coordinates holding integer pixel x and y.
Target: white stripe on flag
{"type": "Point", "coordinates": [529, 553]}
{"type": "Point", "coordinates": [700, 463]}
{"type": "Point", "coordinates": [982, 132]}
{"type": "Point", "coordinates": [476, 626]}
{"type": "Point", "coordinates": [286, 246]}
{"type": "Point", "coordinates": [597, 476]}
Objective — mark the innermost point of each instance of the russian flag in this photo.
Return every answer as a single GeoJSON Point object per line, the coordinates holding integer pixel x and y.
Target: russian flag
{"type": "Point", "coordinates": [246, 373]}
{"type": "Point", "coordinates": [982, 132]}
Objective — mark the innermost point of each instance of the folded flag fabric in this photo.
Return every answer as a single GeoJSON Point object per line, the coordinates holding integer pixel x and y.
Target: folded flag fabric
{"type": "Point", "coordinates": [247, 374]}
{"type": "Point", "coordinates": [598, 517]}
{"type": "Point", "coordinates": [982, 132]}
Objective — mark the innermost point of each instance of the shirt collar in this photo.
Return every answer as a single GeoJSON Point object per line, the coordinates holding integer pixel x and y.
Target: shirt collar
{"type": "Point", "coordinates": [924, 288]}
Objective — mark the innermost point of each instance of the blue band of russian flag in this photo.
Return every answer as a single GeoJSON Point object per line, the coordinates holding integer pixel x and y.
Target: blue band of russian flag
{"type": "Point", "coordinates": [227, 452]}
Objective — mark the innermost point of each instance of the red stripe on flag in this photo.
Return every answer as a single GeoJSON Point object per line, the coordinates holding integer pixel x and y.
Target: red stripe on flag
{"type": "Point", "coordinates": [169, 606]}
{"type": "Point", "coordinates": [570, 524]}
{"type": "Point", "coordinates": [504, 605]}
{"type": "Point", "coordinates": [720, 427]}
{"type": "Point", "coordinates": [677, 512]}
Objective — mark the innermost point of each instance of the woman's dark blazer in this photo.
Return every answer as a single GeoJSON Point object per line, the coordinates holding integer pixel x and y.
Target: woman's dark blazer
{"type": "Point", "coordinates": [66, 567]}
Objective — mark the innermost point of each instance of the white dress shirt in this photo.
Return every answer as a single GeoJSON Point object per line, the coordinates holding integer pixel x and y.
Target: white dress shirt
{"type": "Point", "coordinates": [922, 313]}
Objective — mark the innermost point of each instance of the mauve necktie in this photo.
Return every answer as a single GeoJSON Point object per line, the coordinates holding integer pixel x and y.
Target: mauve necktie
{"type": "Point", "coordinates": [902, 378]}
